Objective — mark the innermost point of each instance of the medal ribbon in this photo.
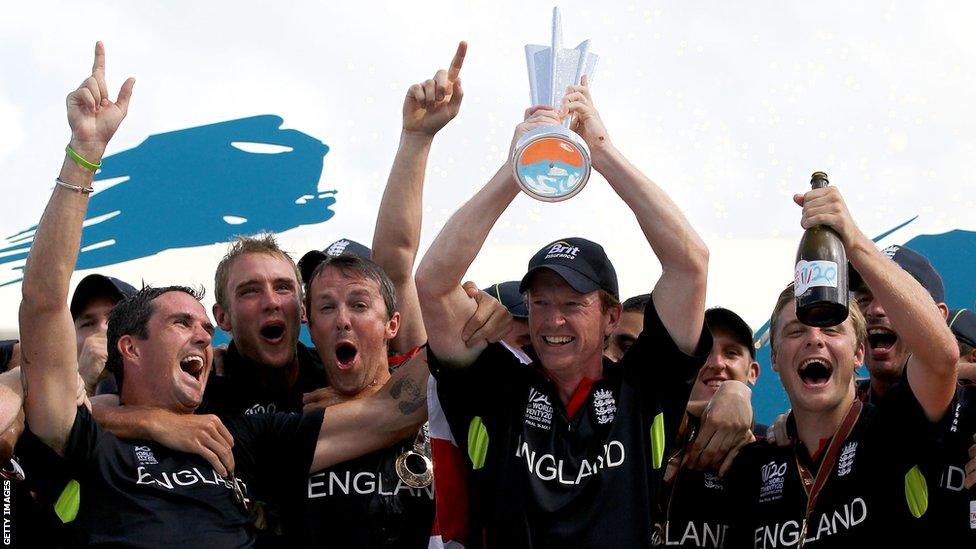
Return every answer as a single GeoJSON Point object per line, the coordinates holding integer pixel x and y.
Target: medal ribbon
{"type": "Point", "coordinates": [813, 485]}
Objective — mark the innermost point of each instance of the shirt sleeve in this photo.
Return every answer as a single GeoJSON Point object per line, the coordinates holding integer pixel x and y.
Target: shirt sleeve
{"type": "Point", "coordinates": [83, 440]}
{"type": "Point", "coordinates": [655, 363]}
{"type": "Point", "coordinates": [483, 390]}
{"type": "Point", "coordinates": [902, 426]}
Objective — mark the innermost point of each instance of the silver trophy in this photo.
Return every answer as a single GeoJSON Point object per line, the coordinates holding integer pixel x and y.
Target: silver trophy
{"type": "Point", "coordinates": [552, 163]}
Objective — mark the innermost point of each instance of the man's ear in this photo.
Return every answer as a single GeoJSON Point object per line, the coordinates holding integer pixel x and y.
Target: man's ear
{"type": "Point", "coordinates": [128, 348]}
{"type": "Point", "coordinates": [222, 317]}
{"type": "Point", "coordinates": [944, 309]}
{"type": "Point", "coordinates": [614, 313]}
{"type": "Point", "coordinates": [772, 359]}
{"type": "Point", "coordinates": [753, 373]}
{"type": "Point", "coordinates": [393, 326]}
{"type": "Point", "coordinates": [859, 355]}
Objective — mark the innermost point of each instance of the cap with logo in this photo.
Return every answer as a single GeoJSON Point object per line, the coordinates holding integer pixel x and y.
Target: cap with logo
{"type": "Point", "coordinates": [508, 294]}
{"type": "Point", "coordinates": [311, 260]}
{"type": "Point", "coordinates": [96, 285]}
{"type": "Point", "coordinates": [583, 264]}
{"type": "Point", "coordinates": [915, 263]}
{"type": "Point", "coordinates": [721, 318]}
{"type": "Point", "coordinates": [962, 322]}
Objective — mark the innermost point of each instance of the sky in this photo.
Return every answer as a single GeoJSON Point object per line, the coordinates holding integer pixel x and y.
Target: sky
{"type": "Point", "coordinates": [729, 107]}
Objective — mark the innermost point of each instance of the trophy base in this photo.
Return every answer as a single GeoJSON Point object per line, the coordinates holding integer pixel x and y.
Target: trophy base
{"type": "Point", "coordinates": [551, 163]}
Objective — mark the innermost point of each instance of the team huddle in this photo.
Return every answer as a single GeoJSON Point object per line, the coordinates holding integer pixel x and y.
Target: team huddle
{"type": "Point", "coordinates": [538, 412]}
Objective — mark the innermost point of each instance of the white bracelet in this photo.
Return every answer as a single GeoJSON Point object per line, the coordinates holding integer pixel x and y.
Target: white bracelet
{"type": "Point", "coordinates": [78, 188]}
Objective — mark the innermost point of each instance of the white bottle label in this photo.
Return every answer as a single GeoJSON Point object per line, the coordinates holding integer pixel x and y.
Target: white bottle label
{"type": "Point", "coordinates": [811, 274]}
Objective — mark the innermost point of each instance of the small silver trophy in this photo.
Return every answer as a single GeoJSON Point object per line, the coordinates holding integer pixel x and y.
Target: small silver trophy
{"type": "Point", "coordinates": [553, 163]}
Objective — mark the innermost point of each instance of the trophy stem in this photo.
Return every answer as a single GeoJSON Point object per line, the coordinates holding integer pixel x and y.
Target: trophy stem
{"type": "Point", "coordinates": [557, 44]}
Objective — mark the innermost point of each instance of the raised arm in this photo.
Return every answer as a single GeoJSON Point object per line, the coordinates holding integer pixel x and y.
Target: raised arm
{"type": "Point", "coordinates": [679, 295]}
{"type": "Point", "coordinates": [357, 427]}
{"type": "Point", "coordinates": [913, 315]}
{"type": "Point", "coordinates": [445, 305]}
{"type": "Point", "coordinates": [50, 362]}
{"type": "Point", "coordinates": [427, 108]}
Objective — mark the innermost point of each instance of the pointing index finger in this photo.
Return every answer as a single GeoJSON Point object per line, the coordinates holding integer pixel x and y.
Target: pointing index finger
{"type": "Point", "coordinates": [458, 60]}
{"type": "Point", "coordinates": [98, 69]}
{"type": "Point", "coordinates": [99, 64]}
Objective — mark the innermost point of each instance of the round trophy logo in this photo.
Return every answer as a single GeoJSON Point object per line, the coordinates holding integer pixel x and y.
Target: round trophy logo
{"type": "Point", "coordinates": [551, 163]}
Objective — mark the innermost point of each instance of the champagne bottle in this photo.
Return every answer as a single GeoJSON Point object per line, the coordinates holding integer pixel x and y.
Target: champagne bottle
{"type": "Point", "coordinates": [820, 276]}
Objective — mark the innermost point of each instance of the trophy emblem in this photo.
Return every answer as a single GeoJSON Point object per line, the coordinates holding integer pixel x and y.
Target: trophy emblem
{"type": "Point", "coordinates": [553, 163]}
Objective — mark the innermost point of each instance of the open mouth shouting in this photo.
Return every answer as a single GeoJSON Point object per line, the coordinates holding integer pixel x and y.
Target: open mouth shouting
{"type": "Point", "coordinates": [193, 365]}
{"type": "Point", "coordinates": [273, 332]}
{"type": "Point", "coordinates": [558, 341]}
{"type": "Point", "coordinates": [881, 341]}
{"type": "Point", "coordinates": [815, 372]}
{"type": "Point", "coordinates": [345, 353]}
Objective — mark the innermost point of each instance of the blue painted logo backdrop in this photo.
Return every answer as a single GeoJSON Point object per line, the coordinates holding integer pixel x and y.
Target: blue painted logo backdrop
{"type": "Point", "coordinates": [204, 185]}
{"type": "Point", "coordinates": [199, 186]}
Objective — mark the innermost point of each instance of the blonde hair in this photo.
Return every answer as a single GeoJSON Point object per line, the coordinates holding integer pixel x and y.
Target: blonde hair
{"type": "Point", "coordinates": [787, 296]}
{"type": "Point", "coordinates": [264, 243]}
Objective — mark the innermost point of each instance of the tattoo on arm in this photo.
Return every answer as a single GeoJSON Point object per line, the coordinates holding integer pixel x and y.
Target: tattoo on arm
{"type": "Point", "coordinates": [409, 395]}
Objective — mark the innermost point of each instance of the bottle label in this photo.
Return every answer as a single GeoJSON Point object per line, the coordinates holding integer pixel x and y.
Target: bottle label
{"type": "Point", "coordinates": [810, 274]}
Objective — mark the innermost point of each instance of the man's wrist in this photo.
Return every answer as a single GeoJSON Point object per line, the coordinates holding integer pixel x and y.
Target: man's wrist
{"type": "Point", "coordinates": [416, 138]}
{"type": "Point", "coordinates": [92, 151]}
{"type": "Point", "coordinates": [860, 247]}
{"type": "Point", "coordinates": [604, 156]}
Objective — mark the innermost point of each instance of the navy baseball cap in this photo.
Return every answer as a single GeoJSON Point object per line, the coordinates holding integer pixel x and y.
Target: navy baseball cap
{"type": "Point", "coordinates": [583, 264]}
{"type": "Point", "coordinates": [508, 294]}
{"type": "Point", "coordinates": [962, 322]}
{"type": "Point", "coordinates": [719, 317]}
{"type": "Point", "coordinates": [311, 260]}
{"type": "Point", "coordinates": [915, 263]}
{"type": "Point", "coordinates": [96, 285]}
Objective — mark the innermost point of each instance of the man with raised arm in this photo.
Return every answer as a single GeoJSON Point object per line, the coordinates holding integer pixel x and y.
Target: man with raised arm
{"type": "Point", "coordinates": [567, 450]}
{"type": "Point", "coordinates": [849, 477]}
{"type": "Point", "coordinates": [138, 492]}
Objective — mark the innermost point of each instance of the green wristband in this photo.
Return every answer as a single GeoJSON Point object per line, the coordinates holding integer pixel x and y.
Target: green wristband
{"type": "Point", "coordinates": [81, 161]}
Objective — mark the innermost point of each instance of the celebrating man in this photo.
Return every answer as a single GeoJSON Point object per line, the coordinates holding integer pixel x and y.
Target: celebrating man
{"type": "Point", "coordinates": [850, 476]}
{"type": "Point", "coordinates": [551, 445]}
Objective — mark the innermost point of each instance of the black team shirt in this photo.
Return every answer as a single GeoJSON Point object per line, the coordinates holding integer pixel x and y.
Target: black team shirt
{"type": "Point", "coordinates": [362, 503]}
{"type": "Point", "coordinates": [242, 389]}
{"type": "Point", "coordinates": [358, 503]}
{"type": "Point", "coordinates": [869, 500]}
{"type": "Point", "coordinates": [951, 512]}
{"type": "Point", "coordinates": [951, 515]}
{"type": "Point", "coordinates": [694, 506]}
{"type": "Point", "coordinates": [695, 510]}
{"type": "Point", "coordinates": [141, 494]}
{"type": "Point", "coordinates": [539, 478]}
